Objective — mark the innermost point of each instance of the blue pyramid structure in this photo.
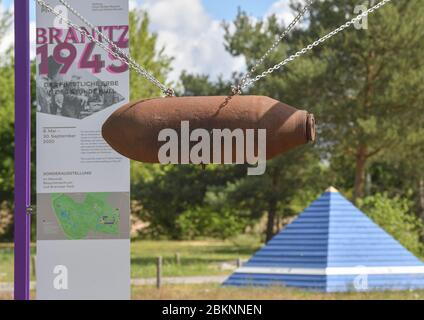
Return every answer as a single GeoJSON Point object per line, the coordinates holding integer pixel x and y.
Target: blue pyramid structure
{"type": "Point", "coordinates": [332, 246]}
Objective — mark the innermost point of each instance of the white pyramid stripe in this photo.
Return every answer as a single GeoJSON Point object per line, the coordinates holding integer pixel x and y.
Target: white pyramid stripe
{"type": "Point", "coordinates": [334, 271]}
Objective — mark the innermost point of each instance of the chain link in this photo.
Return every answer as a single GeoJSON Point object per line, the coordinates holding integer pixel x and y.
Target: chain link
{"type": "Point", "coordinates": [245, 82]}
{"type": "Point", "coordinates": [116, 52]}
{"type": "Point", "coordinates": [248, 75]}
{"type": "Point", "coordinates": [308, 48]}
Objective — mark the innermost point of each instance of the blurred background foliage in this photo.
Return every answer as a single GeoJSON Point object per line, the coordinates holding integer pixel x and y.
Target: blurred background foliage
{"type": "Point", "coordinates": [366, 89]}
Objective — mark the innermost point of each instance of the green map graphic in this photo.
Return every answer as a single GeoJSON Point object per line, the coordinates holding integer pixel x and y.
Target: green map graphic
{"type": "Point", "coordinates": [93, 214]}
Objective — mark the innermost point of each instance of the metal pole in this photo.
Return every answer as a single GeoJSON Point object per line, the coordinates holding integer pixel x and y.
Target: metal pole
{"type": "Point", "coordinates": [22, 151]}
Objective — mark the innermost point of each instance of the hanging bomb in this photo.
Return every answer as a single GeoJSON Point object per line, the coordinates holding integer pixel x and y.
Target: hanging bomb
{"type": "Point", "coordinates": [135, 130]}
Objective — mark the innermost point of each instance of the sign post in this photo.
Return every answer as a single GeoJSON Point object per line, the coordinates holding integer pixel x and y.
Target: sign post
{"type": "Point", "coordinates": [22, 222]}
{"type": "Point", "coordinates": [83, 207]}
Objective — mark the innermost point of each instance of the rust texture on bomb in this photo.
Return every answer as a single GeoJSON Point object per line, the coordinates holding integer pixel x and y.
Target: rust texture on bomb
{"type": "Point", "coordinates": [133, 130]}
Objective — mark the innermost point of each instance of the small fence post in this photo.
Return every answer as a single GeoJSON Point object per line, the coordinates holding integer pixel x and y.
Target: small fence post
{"type": "Point", "coordinates": [178, 258]}
{"type": "Point", "coordinates": [159, 272]}
{"type": "Point", "coordinates": [239, 263]}
{"type": "Point", "coordinates": [34, 263]}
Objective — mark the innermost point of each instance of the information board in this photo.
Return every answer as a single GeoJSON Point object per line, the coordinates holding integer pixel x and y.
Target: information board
{"type": "Point", "coordinates": [83, 211]}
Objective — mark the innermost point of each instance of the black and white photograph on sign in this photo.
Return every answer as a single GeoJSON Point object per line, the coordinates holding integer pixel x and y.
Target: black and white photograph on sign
{"type": "Point", "coordinates": [76, 94]}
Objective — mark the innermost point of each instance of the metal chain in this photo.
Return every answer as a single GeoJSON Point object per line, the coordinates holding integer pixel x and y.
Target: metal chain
{"type": "Point", "coordinates": [308, 48]}
{"type": "Point", "coordinates": [116, 52]}
{"type": "Point", "coordinates": [248, 75]}
{"type": "Point", "coordinates": [245, 82]}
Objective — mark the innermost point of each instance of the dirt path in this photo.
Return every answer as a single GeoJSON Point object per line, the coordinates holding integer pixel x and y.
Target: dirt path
{"type": "Point", "coordinates": [8, 286]}
{"type": "Point", "coordinates": [179, 280]}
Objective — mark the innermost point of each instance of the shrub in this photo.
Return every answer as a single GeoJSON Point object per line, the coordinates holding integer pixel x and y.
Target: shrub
{"type": "Point", "coordinates": [395, 216]}
{"type": "Point", "coordinates": [206, 222]}
{"type": "Point", "coordinates": [6, 219]}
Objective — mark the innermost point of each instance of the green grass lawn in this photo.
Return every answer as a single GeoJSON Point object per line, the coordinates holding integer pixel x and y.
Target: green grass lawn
{"type": "Point", "coordinates": [6, 261]}
{"type": "Point", "coordinates": [202, 258]}
{"type": "Point", "coordinates": [197, 258]}
{"type": "Point", "coordinates": [216, 292]}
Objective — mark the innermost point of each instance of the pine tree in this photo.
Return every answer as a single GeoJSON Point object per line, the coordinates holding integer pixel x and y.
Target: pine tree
{"type": "Point", "coordinates": [365, 86]}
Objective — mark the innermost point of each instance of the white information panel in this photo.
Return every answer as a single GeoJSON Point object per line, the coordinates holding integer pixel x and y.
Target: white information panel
{"type": "Point", "coordinates": [83, 212]}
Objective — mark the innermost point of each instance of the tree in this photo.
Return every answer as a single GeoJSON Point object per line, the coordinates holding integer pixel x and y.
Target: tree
{"type": "Point", "coordinates": [174, 198]}
{"type": "Point", "coordinates": [6, 219]}
{"type": "Point", "coordinates": [394, 215]}
{"type": "Point", "coordinates": [276, 192]}
{"type": "Point", "coordinates": [6, 131]}
{"type": "Point", "coordinates": [296, 173]}
{"type": "Point", "coordinates": [6, 128]}
{"type": "Point", "coordinates": [290, 182]}
{"type": "Point", "coordinates": [167, 192]}
{"type": "Point", "coordinates": [365, 86]}
{"type": "Point", "coordinates": [371, 87]}
{"type": "Point", "coordinates": [201, 85]}
{"type": "Point", "coordinates": [5, 22]}
{"type": "Point", "coordinates": [143, 49]}
{"type": "Point", "coordinates": [402, 171]}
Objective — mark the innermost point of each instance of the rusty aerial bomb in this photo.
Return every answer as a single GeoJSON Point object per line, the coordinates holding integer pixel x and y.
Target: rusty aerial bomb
{"type": "Point", "coordinates": [133, 130]}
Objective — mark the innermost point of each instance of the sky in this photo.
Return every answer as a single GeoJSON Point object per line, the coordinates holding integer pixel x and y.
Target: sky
{"type": "Point", "coordinates": [191, 32]}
